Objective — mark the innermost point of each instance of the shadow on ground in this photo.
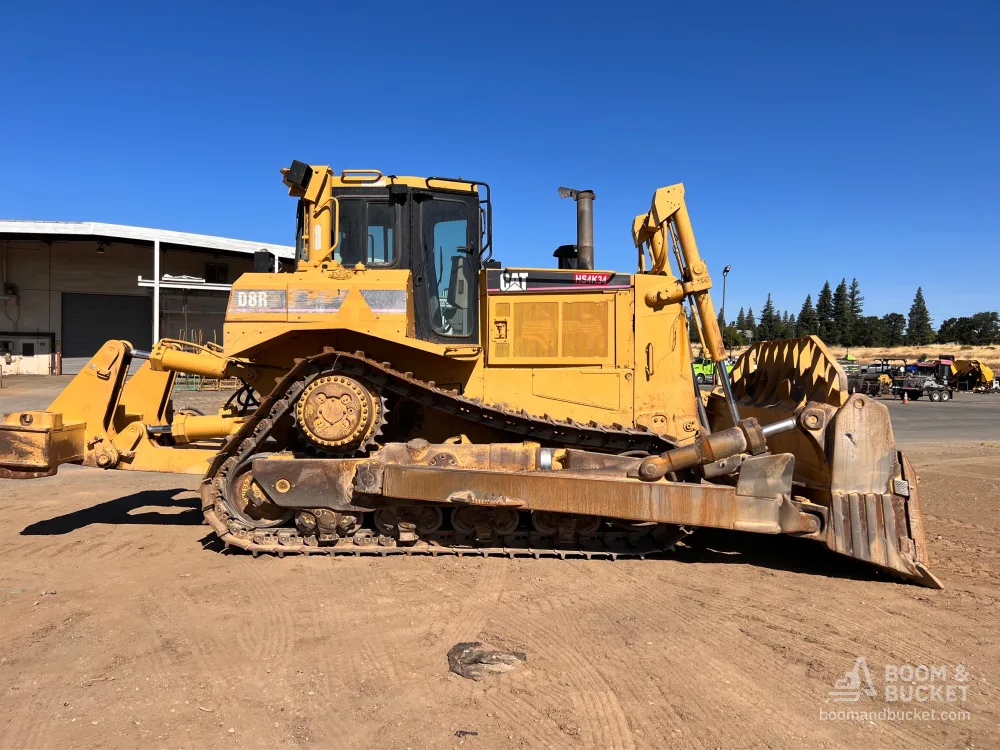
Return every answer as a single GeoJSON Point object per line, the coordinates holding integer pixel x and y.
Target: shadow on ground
{"type": "Point", "coordinates": [786, 553]}
{"type": "Point", "coordinates": [120, 511]}
{"type": "Point", "coordinates": [710, 546]}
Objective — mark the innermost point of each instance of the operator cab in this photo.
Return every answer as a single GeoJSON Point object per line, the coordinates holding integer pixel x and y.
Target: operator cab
{"type": "Point", "coordinates": [437, 228]}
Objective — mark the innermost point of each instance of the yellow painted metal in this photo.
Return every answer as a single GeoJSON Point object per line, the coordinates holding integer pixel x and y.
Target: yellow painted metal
{"type": "Point", "coordinates": [193, 428]}
{"type": "Point", "coordinates": [101, 420]}
{"type": "Point", "coordinates": [613, 357]}
{"type": "Point", "coordinates": [563, 329]}
{"type": "Point", "coordinates": [980, 374]}
{"type": "Point", "coordinates": [146, 397]}
{"type": "Point", "coordinates": [34, 443]}
{"type": "Point", "coordinates": [170, 356]}
{"type": "Point", "coordinates": [669, 211]}
{"type": "Point", "coordinates": [774, 380]}
{"type": "Point", "coordinates": [664, 388]}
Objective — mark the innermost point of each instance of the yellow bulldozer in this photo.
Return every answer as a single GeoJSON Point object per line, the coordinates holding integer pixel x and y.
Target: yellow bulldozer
{"type": "Point", "coordinates": [403, 393]}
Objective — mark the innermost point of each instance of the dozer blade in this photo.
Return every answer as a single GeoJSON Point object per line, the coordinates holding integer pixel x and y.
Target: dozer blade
{"type": "Point", "coordinates": [845, 456]}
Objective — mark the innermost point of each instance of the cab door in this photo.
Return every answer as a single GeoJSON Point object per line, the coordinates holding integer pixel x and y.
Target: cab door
{"type": "Point", "coordinates": [445, 265]}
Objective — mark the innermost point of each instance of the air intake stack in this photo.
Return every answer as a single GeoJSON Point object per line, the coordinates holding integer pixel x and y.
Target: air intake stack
{"type": "Point", "coordinates": [584, 226]}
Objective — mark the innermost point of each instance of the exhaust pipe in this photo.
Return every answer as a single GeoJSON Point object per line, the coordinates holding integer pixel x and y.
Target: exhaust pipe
{"type": "Point", "coordinates": [584, 226]}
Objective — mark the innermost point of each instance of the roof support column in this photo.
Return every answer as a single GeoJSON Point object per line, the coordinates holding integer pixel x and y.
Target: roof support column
{"type": "Point", "coordinates": [156, 291]}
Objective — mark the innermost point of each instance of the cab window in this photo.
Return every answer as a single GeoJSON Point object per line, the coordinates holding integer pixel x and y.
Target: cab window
{"type": "Point", "coordinates": [449, 267]}
{"type": "Point", "coordinates": [367, 233]}
{"type": "Point", "coordinates": [380, 234]}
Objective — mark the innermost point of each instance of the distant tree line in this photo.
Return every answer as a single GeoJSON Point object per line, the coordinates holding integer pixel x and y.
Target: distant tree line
{"type": "Point", "coordinates": [838, 318]}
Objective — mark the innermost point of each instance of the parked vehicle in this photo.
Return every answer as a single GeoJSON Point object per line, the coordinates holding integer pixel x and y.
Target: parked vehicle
{"type": "Point", "coordinates": [972, 375]}
{"type": "Point", "coordinates": [929, 379]}
{"type": "Point", "coordinates": [704, 369]}
{"type": "Point", "coordinates": [875, 378]}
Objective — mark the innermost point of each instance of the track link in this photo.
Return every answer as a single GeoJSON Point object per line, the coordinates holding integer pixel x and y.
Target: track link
{"type": "Point", "coordinates": [511, 424]}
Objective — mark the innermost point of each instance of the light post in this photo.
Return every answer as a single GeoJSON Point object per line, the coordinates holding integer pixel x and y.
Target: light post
{"type": "Point", "coordinates": [725, 274]}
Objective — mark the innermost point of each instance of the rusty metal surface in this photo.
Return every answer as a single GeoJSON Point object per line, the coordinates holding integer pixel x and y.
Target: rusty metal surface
{"type": "Point", "coordinates": [33, 444]}
{"type": "Point", "coordinates": [707, 449]}
{"type": "Point", "coordinates": [577, 460]}
{"type": "Point", "coordinates": [708, 505]}
{"type": "Point", "coordinates": [338, 412]}
{"type": "Point", "coordinates": [874, 528]}
{"type": "Point", "coordinates": [308, 483]}
{"type": "Point", "coordinates": [914, 513]}
{"type": "Point", "coordinates": [766, 476]}
{"type": "Point", "coordinates": [861, 447]}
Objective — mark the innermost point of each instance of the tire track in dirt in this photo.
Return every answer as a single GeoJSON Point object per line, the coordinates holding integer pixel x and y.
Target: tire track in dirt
{"type": "Point", "coordinates": [702, 631]}
{"type": "Point", "coordinates": [695, 620]}
{"type": "Point", "coordinates": [752, 669]}
{"type": "Point", "coordinates": [350, 656]}
{"type": "Point", "coordinates": [210, 652]}
{"type": "Point", "coordinates": [43, 698]}
{"type": "Point", "coordinates": [556, 618]}
{"type": "Point", "coordinates": [269, 634]}
{"type": "Point", "coordinates": [483, 595]}
{"type": "Point", "coordinates": [369, 650]}
{"type": "Point", "coordinates": [556, 639]}
{"type": "Point", "coordinates": [534, 717]}
{"type": "Point", "coordinates": [31, 724]}
{"type": "Point", "coordinates": [652, 717]}
{"type": "Point", "coordinates": [33, 548]}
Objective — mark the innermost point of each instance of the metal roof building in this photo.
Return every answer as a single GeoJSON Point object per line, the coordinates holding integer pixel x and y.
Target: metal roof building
{"type": "Point", "coordinates": [66, 287]}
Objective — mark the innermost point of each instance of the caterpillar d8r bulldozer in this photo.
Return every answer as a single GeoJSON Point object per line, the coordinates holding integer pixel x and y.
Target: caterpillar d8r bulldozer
{"type": "Point", "coordinates": [405, 393]}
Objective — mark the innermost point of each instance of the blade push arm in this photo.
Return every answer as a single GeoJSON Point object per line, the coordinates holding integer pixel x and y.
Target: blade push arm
{"type": "Point", "coordinates": [668, 225]}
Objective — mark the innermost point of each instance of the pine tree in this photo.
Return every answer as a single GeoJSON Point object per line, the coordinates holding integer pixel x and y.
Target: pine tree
{"type": "Point", "coordinates": [856, 304]}
{"type": "Point", "coordinates": [790, 327]}
{"type": "Point", "coordinates": [824, 315]}
{"type": "Point", "coordinates": [918, 328]}
{"type": "Point", "coordinates": [751, 323]}
{"type": "Point", "coordinates": [741, 321]}
{"type": "Point", "coordinates": [721, 321]}
{"type": "Point", "coordinates": [767, 329]}
{"type": "Point", "coordinates": [842, 314]}
{"type": "Point", "coordinates": [785, 328]}
{"type": "Point", "coordinates": [808, 323]}
{"type": "Point", "coordinates": [855, 299]}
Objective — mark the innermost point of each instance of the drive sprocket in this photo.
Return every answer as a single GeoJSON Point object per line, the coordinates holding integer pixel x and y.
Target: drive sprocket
{"type": "Point", "coordinates": [339, 414]}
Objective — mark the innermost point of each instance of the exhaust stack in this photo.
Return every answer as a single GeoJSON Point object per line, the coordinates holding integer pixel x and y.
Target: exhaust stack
{"type": "Point", "coordinates": [584, 226]}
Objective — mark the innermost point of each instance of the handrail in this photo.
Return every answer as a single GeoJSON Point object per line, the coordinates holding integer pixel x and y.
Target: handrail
{"type": "Point", "coordinates": [360, 175]}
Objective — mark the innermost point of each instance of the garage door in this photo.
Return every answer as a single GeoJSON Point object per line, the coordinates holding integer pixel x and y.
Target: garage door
{"type": "Point", "coordinates": [88, 320]}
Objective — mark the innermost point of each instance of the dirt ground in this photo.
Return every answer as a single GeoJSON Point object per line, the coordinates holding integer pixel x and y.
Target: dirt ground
{"type": "Point", "coordinates": [149, 635]}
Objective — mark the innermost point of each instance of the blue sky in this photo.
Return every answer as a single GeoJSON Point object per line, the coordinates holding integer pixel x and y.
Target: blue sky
{"type": "Point", "coordinates": [816, 140]}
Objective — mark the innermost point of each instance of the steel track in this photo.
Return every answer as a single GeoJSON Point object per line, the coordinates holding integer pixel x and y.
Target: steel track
{"type": "Point", "coordinates": [509, 424]}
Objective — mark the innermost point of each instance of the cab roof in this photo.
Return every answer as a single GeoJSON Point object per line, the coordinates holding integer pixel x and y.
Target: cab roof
{"type": "Point", "coordinates": [369, 178]}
